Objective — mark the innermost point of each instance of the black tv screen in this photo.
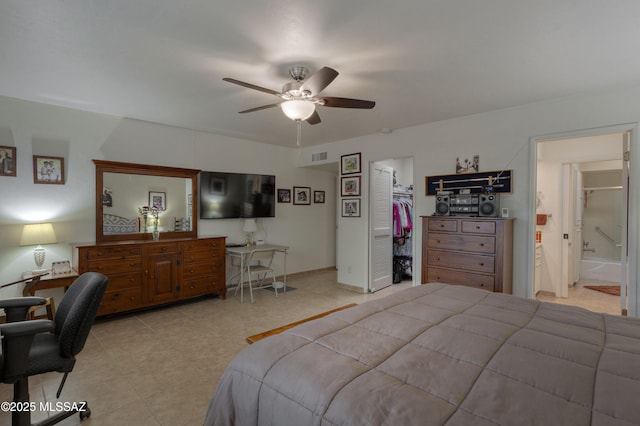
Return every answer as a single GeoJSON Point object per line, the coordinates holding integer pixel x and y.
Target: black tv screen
{"type": "Point", "coordinates": [236, 195]}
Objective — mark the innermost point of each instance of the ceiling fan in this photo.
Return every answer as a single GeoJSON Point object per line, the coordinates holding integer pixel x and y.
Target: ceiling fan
{"type": "Point", "coordinates": [300, 97]}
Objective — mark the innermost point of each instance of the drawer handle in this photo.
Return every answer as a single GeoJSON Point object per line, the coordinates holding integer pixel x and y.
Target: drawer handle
{"type": "Point", "coordinates": [132, 298]}
{"type": "Point", "coordinates": [193, 286]}
{"type": "Point", "coordinates": [163, 249]}
{"type": "Point", "coordinates": [481, 263]}
{"type": "Point", "coordinates": [481, 284]}
{"type": "Point", "coordinates": [437, 258]}
{"type": "Point", "coordinates": [442, 225]}
{"type": "Point", "coordinates": [477, 227]}
{"type": "Point", "coordinates": [438, 241]}
{"type": "Point", "coordinates": [481, 244]}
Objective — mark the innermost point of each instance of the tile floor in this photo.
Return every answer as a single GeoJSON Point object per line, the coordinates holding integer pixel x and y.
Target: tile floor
{"type": "Point", "coordinates": [160, 367]}
{"type": "Point", "coordinates": [589, 299]}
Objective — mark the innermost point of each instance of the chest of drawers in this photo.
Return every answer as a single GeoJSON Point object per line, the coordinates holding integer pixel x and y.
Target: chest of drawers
{"type": "Point", "coordinates": [471, 251]}
{"type": "Point", "coordinates": [150, 273]}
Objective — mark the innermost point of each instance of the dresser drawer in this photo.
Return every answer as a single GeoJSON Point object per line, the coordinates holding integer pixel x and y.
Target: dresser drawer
{"type": "Point", "coordinates": [472, 243]}
{"type": "Point", "coordinates": [200, 287]}
{"type": "Point", "coordinates": [445, 225]}
{"type": "Point", "coordinates": [202, 256]}
{"type": "Point", "coordinates": [461, 278]}
{"type": "Point", "coordinates": [119, 301]}
{"type": "Point", "coordinates": [203, 245]}
{"type": "Point", "coordinates": [155, 250]}
{"type": "Point", "coordinates": [200, 269]}
{"type": "Point", "coordinates": [111, 267]}
{"type": "Point", "coordinates": [478, 227]}
{"type": "Point", "coordinates": [124, 281]}
{"type": "Point", "coordinates": [466, 262]}
{"type": "Point", "coordinates": [112, 252]}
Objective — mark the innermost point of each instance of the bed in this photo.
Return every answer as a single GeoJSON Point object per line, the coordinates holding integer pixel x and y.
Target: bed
{"type": "Point", "coordinates": [439, 354]}
{"type": "Point", "coordinates": [113, 224]}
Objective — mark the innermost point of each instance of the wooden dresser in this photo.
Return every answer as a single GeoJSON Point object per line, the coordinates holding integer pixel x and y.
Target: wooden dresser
{"type": "Point", "coordinates": [471, 251]}
{"type": "Point", "coordinates": [150, 273]}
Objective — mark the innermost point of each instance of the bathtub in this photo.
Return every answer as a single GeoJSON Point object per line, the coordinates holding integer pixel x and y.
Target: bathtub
{"type": "Point", "coordinates": [600, 269]}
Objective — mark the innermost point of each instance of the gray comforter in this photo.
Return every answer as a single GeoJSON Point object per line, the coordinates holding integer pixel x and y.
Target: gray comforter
{"type": "Point", "coordinates": [439, 354]}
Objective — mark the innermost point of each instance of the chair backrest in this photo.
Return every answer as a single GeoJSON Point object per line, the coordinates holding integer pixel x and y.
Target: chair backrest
{"type": "Point", "coordinates": [262, 256]}
{"type": "Point", "coordinates": [77, 311]}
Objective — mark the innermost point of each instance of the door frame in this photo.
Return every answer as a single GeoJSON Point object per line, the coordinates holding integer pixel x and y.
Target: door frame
{"type": "Point", "coordinates": [633, 255]}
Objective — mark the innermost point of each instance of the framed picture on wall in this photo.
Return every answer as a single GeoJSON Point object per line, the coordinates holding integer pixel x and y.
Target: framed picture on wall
{"type": "Point", "coordinates": [158, 200]}
{"type": "Point", "coordinates": [48, 170]}
{"type": "Point", "coordinates": [350, 186]}
{"type": "Point", "coordinates": [284, 195]}
{"type": "Point", "coordinates": [351, 207]}
{"type": "Point", "coordinates": [7, 161]}
{"type": "Point", "coordinates": [318, 197]}
{"type": "Point", "coordinates": [301, 195]}
{"type": "Point", "coordinates": [350, 163]}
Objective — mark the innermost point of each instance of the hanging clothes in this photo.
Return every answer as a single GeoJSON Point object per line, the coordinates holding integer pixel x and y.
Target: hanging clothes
{"type": "Point", "coordinates": [402, 230]}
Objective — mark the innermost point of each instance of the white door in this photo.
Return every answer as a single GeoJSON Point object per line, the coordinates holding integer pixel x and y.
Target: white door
{"type": "Point", "coordinates": [381, 227]}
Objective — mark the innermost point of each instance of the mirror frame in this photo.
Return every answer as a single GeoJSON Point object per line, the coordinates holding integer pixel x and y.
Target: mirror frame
{"type": "Point", "coordinates": [143, 169]}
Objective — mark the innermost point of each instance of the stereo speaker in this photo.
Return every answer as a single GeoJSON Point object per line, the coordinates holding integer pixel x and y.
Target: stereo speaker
{"type": "Point", "coordinates": [489, 205]}
{"type": "Point", "coordinates": [442, 205]}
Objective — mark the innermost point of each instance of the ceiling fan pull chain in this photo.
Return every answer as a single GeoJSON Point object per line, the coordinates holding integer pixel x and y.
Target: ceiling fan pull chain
{"type": "Point", "coordinates": [299, 133]}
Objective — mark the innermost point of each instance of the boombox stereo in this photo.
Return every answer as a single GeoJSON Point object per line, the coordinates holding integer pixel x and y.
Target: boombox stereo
{"type": "Point", "coordinates": [448, 204]}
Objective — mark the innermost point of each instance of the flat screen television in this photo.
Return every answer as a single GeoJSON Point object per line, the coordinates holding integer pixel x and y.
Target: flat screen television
{"type": "Point", "coordinates": [236, 195]}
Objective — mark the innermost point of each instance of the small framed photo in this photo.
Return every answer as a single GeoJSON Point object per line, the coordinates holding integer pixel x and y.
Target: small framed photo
{"type": "Point", "coordinates": [350, 186]}
{"type": "Point", "coordinates": [61, 267]}
{"type": "Point", "coordinates": [301, 195]}
{"type": "Point", "coordinates": [350, 163]}
{"type": "Point", "coordinates": [158, 200]}
{"type": "Point", "coordinates": [318, 197]}
{"type": "Point", "coordinates": [107, 196]}
{"type": "Point", "coordinates": [8, 161]}
{"type": "Point", "coordinates": [284, 195]}
{"type": "Point", "coordinates": [351, 207]}
{"type": "Point", "coordinates": [48, 170]}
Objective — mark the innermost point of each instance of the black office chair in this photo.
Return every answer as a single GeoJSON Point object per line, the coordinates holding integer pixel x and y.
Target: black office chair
{"type": "Point", "coordinates": [40, 346]}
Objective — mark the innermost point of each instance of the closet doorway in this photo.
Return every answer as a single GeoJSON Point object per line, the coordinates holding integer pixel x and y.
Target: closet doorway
{"type": "Point", "coordinates": [391, 223]}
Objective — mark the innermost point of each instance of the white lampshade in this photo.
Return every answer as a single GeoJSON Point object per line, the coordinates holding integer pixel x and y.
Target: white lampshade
{"type": "Point", "coordinates": [250, 225]}
{"type": "Point", "coordinates": [38, 234]}
{"type": "Point", "coordinates": [297, 109]}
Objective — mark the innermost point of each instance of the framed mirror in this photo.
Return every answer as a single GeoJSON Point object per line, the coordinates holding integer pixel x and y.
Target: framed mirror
{"type": "Point", "coordinates": [134, 200]}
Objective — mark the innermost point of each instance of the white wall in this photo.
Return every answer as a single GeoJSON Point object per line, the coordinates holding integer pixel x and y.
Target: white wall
{"type": "Point", "coordinates": [501, 138]}
{"type": "Point", "coordinates": [80, 137]}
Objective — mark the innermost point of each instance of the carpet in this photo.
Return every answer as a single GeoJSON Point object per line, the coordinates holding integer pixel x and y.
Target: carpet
{"type": "Point", "coordinates": [613, 290]}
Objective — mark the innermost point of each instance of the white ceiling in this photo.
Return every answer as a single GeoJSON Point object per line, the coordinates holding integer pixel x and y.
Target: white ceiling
{"type": "Point", "coordinates": [420, 60]}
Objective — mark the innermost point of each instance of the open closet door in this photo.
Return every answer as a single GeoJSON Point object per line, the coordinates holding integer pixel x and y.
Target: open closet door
{"type": "Point", "coordinates": [381, 227]}
{"type": "Point", "coordinates": [624, 252]}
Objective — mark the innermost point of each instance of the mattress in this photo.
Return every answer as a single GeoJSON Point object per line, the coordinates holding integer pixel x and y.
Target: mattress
{"type": "Point", "coordinates": [439, 354]}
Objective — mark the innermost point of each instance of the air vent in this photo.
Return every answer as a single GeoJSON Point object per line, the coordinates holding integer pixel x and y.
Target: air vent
{"type": "Point", "coordinates": [319, 156]}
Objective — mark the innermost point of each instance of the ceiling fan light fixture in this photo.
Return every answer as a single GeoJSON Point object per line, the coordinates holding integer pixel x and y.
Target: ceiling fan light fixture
{"type": "Point", "coordinates": [297, 109]}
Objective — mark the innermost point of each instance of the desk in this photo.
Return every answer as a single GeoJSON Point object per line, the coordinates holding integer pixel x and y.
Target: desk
{"type": "Point", "coordinates": [48, 281]}
{"type": "Point", "coordinates": [242, 252]}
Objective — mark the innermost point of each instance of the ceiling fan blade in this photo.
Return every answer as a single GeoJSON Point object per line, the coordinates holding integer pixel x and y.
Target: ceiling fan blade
{"type": "Point", "coordinates": [347, 103]}
{"type": "Point", "coordinates": [251, 86]}
{"type": "Point", "coordinates": [314, 118]}
{"type": "Point", "coordinates": [259, 108]}
{"type": "Point", "coordinates": [318, 81]}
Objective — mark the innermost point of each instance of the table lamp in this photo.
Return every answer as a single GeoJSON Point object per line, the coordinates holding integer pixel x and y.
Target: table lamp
{"type": "Point", "coordinates": [249, 228]}
{"type": "Point", "coordinates": [38, 234]}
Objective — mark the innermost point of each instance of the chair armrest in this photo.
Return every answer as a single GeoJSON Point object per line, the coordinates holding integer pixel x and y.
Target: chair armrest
{"type": "Point", "coordinates": [16, 308]}
{"type": "Point", "coordinates": [17, 338]}
{"type": "Point", "coordinates": [23, 328]}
